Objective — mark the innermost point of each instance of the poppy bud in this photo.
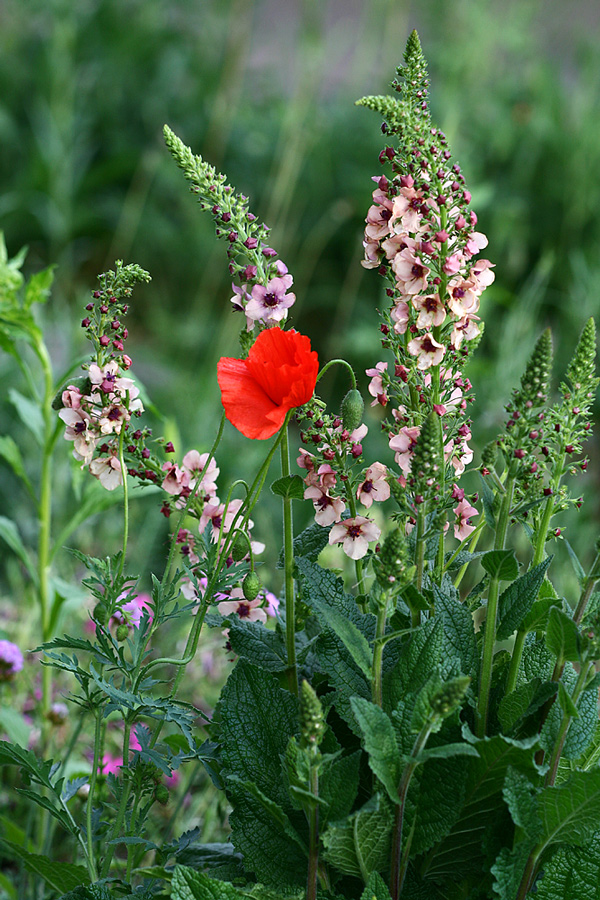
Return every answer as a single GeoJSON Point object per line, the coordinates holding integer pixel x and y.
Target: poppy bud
{"type": "Point", "coordinates": [352, 409]}
{"type": "Point", "coordinates": [251, 586]}
{"type": "Point", "coordinates": [122, 632]}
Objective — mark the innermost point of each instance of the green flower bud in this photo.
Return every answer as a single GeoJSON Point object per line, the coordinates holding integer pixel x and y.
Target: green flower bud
{"type": "Point", "coordinates": [353, 408]}
{"type": "Point", "coordinates": [312, 721]}
{"type": "Point", "coordinates": [393, 565]}
{"type": "Point", "coordinates": [240, 547]}
{"type": "Point", "coordinates": [100, 613]}
{"type": "Point", "coordinates": [426, 463]}
{"type": "Point", "coordinates": [122, 632]}
{"type": "Point", "coordinates": [450, 695]}
{"type": "Point", "coordinates": [251, 586]}
{"type": "Point", "coordinates": [161, 794]}
{"type": "Point", "coordinates": [582, 368]}
{"type": "Point", "coordinates": [535, 378]}
{"type": "Point", "coordinates": [489, 454]}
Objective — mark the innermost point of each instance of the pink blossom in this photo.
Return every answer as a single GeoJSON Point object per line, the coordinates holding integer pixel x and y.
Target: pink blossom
{"type": "Point", "coordinates": [397, 242]}
{"type": "Point", "coordinates": [429, 351]}
{"type": "Point", "coordinates": [376, 388]}
{"type": "Point", "coordinates": [375, 486]}
{"type": "Point", "coordinates": [482, 273]}
{"type": "Point", "coordinates": [476, 242]}
{"type": "Point", "coordinates": [270, 303]}
{"type": "Point", "coordinates": [71, 397]}
{"type": "Point", "coordinates": [109, 382]}
{"type": "Point", "coordinates": [112, 418]}
{"type": "Point", "coordinates": [110, 764]}
{"type": "Point", "coordinates": [463, 512]}
{"type": "Point", "coordinates": [452, 263]}
{"type": "Point", "coordinates": [431, 310]}
{"type": "Point", "coordinates": [175, 479]}
{"type": "Point", "coordinates": [403, 445]}
{"type": "Point", "coordinates": [306, 460]}
{"type": "Point", "coordinates": [372, 255]}
{"type": "Point", "coordinates": [354, 535]}
{"type": "Point", "coordinates": [410, 272]}
{"type": "Point", "coordinates": [194, 464]}
{"type": "Point", "coordinates": [463, 299]}
{"type": "Point", "coordinates": [251, 610]}
{"type": "Point", "coordinates": [327, 509]}
{"type": "Point", "coordinates": [407, 210]}
{"type": "Point", "coordinates": [400, 315]}
{"type": "Point", "coordinates": [466, 329]}
{"type": "Point", "coordinates": [378, 217]}
{"type": "Point", "coordinates": [11, 660]}
{"type": "Point", "coordinates": [79, 430]}
{"type": "Point", "coordinates": [131, 613]}
{"type": "Point", "coordinates": [107, 469]}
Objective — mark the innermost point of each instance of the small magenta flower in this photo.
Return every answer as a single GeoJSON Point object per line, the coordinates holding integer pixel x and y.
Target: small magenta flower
{"type": "Point", "coordinates": [376, 387]}
{"type": "Point", "coordinates": [355, 535]}
{"type": "Point", "coordinates": [464, 511]}
{"type": "Point", "coordinates": [269, 304]}
{"type": "Point", "coordinates": [403, 445]}
{"type": "Point", "coordinates": [251, 610]}
{"type": "Point", "coordinates": [11, 660]}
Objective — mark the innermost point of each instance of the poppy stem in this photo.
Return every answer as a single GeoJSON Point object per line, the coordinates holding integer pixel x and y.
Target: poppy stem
{"type": "Point", "coordinates": [288, 555]}
{"type": "Point", "coordinates": [340, 362]}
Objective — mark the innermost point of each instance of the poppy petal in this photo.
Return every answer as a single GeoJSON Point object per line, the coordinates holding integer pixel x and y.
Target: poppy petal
{"type": "Point", "coordinates": [246, 404]}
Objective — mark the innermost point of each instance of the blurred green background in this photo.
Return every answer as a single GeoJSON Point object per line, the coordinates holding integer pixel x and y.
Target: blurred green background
{"type": "Point", "coordinates": [265, 90]}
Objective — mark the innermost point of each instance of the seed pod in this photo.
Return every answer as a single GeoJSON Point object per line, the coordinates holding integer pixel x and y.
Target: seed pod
{"type": "Point", "coordinates": [240, 547]}
{"type": "Point", "coordinates": [100, 613]}
{"type": "Point", "coordinates": [122, 632]}
{"type": "Point", "coordinates": [353, 408]}
{"type": "Point", "coordinates": [251, 586]}
{"type": "Point", "coordinates": [161, 793]}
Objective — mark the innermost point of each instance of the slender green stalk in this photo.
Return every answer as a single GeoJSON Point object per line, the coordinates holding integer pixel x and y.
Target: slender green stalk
{"type": "Point", "coordinates": [566, 723]}
{"type": "Point", "coordinates": [288, 550]}
{"type": "Point", "coordinates": [313, 837]}
{"type": "Point", "coordinates": [338, 362]}
{"type": "Point", "coordinates": [515, 661]}
{"type": "Point", "coordinates": [540, 546]}
{"type": "Point", "coordinates": [378, 646]}
{"type": "Point", "coordinates": [420, 547]}
{"type": "Point", "coordinates": [90, 798]}
{"type": "Point", "coordinates": [489, 639]}
{"type": "Point", "coordinates": [122, 809]}
{"type": "Point", "coordinates": [398, 868]}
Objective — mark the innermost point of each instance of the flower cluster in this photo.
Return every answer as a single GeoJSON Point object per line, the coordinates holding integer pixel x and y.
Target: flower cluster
{"type": "Point", "coordinates": [11, 660]}
{"type": "Point", "coordinates": [263, 294]}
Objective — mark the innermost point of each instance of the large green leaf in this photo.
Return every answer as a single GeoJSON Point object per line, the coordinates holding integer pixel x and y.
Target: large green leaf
{"type": "Point", "coordinates": [441, 794]}
{"type": "Point", "coordinates": [572, 873]}
{"type": "Point", "coordinates": [188, 884]}
{"type": "Point", "coordinates": [459, 630]}
{"type": "Point", "coordinates": [380, 744]}
{"type": "Point", "coordinates": [501, 564]}
{"type": "Point", "coordinates": [562, 636]}
{"type": "Point", "coordinates": [361, 844]}
{"type": "Point", "coordinates": [517, 600]}
{"type": "Point", "coordinates": [258, 644]}
{"type": "Point", "coordinates": [376, 889]}
{"type": "Point", "coordinates": [570, 813]}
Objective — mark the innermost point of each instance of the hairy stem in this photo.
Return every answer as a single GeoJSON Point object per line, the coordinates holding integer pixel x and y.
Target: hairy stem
{"type": "Point", "coordinates": [90, 798]}
{"type": "Point", "coordinates": [313, 837]}
{"type": "Point", "coordinates": [378, 652]}
{"type": "Point", "coordinates": [122, 809]}
{"type": "Point", "coordinates": [399, 864]}
{"type": "Point", "coordinates": [288, 551]}
{"type": "Point", "coordinates": [515, 661]}
{"type": "Point", "coordinates": [566, 723]}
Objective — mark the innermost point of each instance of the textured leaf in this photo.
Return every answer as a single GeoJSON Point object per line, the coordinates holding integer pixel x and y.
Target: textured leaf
{"type": "Point", "coordinates": [338, 786]}
{"type": "Point", "coordinates": [59, 875]}
{"type": "Point", "coordinates": [570, 813]}
{"type": "Point", "coordinates": [521, 798]}
{"type": "Point", "coordinates": [376, 889]}
{"type": "Point", "coordinates": [361, 844]}
{"type": "Point", "coordinates": [572, 873]}
{"type": "Point", "coordinates": [516, 601]}
{"type": "Point", "coordinates": [92, 892]}
{"type": "Point", "coordinates": [353, 640]}
{"type": "Point", "coordinates": [442, 786]}
{"type": "Point", "coordinates": [308, 543]}
{"type": "Point", "coordinates": [537, 662]}
{"type": "Point", "coordinates": [509, 868]}
{"type": "Point", "coordinates": [188, 884]}
{"type": "Point", "coordinates": [501, 564]}
{"type": "Point", "coordinates": [524, 701]}
{"type": "Point", "coordinates": [257, 720]}
{"type": "Point", "coordinates": [420, 657]}
{"type": "Point", "coordinates": [461, 851]}
{"type": "Point", "coordinates": [562, 636]}
{"type": "Point", "coordinates": [380, 744]}
{"type": "Point", "coordinates": [258, 644]}
{"type": "Point", "coordinates": [459, 630]}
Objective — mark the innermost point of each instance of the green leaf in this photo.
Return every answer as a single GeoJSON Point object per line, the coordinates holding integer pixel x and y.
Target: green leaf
{"type": "Point", "coordinates": [188, 884]}
{"type": "Point", "coordinates": [10, 534]}
{"type": "Point", "coordinates": [414, 599]}
{"type": "Point", "coordinates": [441, 793]}
{"type": "Point", "coordinates": [38, 287]}
{"type": "Point", "coordinates": [258, 644]}
{"type": "Point", "coordinates": [446, 751]}
{"type": "Point", "coordinates": [59, 875]}
{"type": "Point", "coordinates": [481, 812]}
{"type": "Point", "coordinates": [524, 701]}
{"type": "Point", "coordinates": [537, 617]}
{"type": "Point", "coordinates": [487, 498]}
{"type": "Point", "coordinates": [562, 636]}
{"type": "Point", "coordinates": [96, 892]}
{"type": "Point", "coordinates": [290, 487]}
{"type": "Point", "coordinates": [521, 798]}
{"type": "Point", "coordinates": [338, 786]}
{"type": "Point", "coordinates": [565, 702]}
{"type": "Point", "coordinates": [570, 813]}
{"type": "Point", "coordinates": [501, 564]}
{"type": "Point", "coordinates": [421, 655]}
{"type": "Point", "coordinates": [11, 454]}
{"type": "Point", "coordinates": [15, 726]}
{"type": "Point", "coordinates": [308, 543]}
{"type": "Point", "coordinates": [577, 567]}
{"type": "Point", "coordinates": [459, 630]}
{"type": "Point", "coordinates": [360, 844]}
{"type": "Point", "coordinates": [354, 641]}
{"type": "Point", "coordinates": [509, 868]}
{"type": "Point", "coordinates": [380, 744]}
{"type": "Point", "coordinates": [582, 729]}
{"type": "Point", "coordinates": [516, 601]}
{"type": "Point", "coordinates": [572, 873]}
{"type": "Point", "coordinates": [29, 413]}
{"type": "Point", "coordinates": [376, 888]}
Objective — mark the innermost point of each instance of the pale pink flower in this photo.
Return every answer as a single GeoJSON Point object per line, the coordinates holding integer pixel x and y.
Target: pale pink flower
{"type": "Point", "coordinates": [359, 433]}
{"type": "Point", "coordinates": [175, 480]}
{"type": "Point", "coordinates": [397, 242]}
{"type": "Point", "coordinates": [107, 469]}
{"type": "Point", "coordinates": [463, 512]}
{"type": "Point", "coordinates": [375, 486]}
{"type": "Point", "coordinates": [463, 297]}
{"type": "Point", "coordinates": [372, 255]}
{"type": "Point", "coordinates": [403, 444]}
{"type": "Point", "coordinates": [378, 217]}
{"type": "Point", "coordinates": [79, 430]}
{"type": "Point", "coordinates": [466, 329]}
{"type": "Point", "coordinates": [194, 464]}
{"type": "Point", "coordinates": [11, 660]}
{"type": "Point", "coordinates": [327, 476]}
{"type": "Point", "coordinates": [482, 273]}
{"type": "Point", "coordinates": [476, 242]}
{"type": "Point", "coordinates": [410, 272]}
{"type": "Point", "coordinates": [110, 764]}
{"type": "Point", "coordinates": [251, 610]}
{"type": "Point", "coordinates": [400, 315]}
{"type": "Point", "coordinates": [71, 397]}
{"type": "Point", "coordinates": [355, 535]}
{"type": "Point", "coordinates": [429, 351]}
{"type": "Point", "coordinates": [406, 210]}
{"type": "Point", "coordinates": [112, 418]}
{"type": "Point", "coordinates": [327, 509]}
{"type": "Point", "coordinates": [306, 460]}
{"type": "Point", "coordinates": [108, 381]}
{"type": "Point", "coordinates": [376, 388]}
{"type": "Point", "coordinates": [452, 263]}
{"type": "Point", "coordinates": [270, 303]}
{"type": "Point", "coordinates": [431, 310]}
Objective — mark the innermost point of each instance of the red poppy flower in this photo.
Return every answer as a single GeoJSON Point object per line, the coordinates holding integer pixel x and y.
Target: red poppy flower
{"type": "Point", "coordinates": [279, 374]}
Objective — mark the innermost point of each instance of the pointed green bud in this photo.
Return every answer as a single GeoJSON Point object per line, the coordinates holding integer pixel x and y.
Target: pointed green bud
{"type": "Point", "coordinates": [389, 108]}
{"type": "Point", "coordinates": [251, 586]}
{"type": "Point", "coordinates": [393, 564]}
{"type": "Point", "coordinates": [489, 454]}
{"type": "Point", "coordinates": [397, 491]}
{"type": "Point", "coordinates": [353, 408]}
{"type": "Point", "coordinates": [536, 377]}
{"type": "Point", "coordinates": [426, 464]}
{"type": "Point", "coordinates": [450, 695]}
{"type": "Point", "coordinates": [582, 368]}
{"type": "Point", "coordinates": [312, 720]}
